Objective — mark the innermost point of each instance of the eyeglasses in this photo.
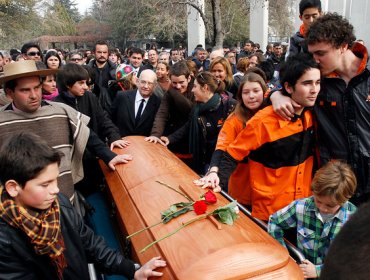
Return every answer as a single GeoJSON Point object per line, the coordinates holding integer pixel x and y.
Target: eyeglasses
{"type": "Point", "coordinates": [33, 54]}
{"type": "Point", "coordinates": [76, 59]}
{"type": "Point", "coordinates": [145, 83]}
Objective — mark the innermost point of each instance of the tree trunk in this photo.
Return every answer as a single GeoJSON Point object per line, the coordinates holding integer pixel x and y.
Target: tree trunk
{"type": "Point", "coordinates": [218, 33]}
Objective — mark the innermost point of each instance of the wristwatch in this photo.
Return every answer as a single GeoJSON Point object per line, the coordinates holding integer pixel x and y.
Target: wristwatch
{"type": "Point", "coordinates": [137, 266]}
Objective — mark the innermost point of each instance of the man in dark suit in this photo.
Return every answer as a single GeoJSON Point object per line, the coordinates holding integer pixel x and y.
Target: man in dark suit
{"type": "Point", "coordinates": [133, 111]}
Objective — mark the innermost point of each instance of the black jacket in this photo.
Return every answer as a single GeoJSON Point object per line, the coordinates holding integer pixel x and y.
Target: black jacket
{"type": "Point", "coordinates": [18, 259]}
{"type": "Point", "coordinates": [105, 74]}
{"type": "Point", "coordinates": [89, 105]}
{"type": "Point", "coordinates": [297, 44]}
{"type": "Point", "coordinates": [123, 114]}
{"type": "Point", "coordinates": [210, 124]}
{"type": "Point", "coordinates": [343, 116]}
{"type": "Point", "coordinates": [276, 61]}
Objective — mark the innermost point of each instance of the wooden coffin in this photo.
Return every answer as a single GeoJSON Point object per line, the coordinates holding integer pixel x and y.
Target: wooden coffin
{"type": "Point", "coordinates": [203, 250]}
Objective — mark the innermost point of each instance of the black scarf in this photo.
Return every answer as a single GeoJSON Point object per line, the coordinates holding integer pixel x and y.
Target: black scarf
{"type": "Point", "coordinates": [195, 136]}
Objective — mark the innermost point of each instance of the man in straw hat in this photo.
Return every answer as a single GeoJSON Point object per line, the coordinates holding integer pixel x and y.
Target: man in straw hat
{"type": "Point", "coordinates": [61, 126]}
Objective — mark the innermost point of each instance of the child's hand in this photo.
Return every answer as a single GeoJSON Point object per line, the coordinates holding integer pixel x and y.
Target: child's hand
{"type": "Point", "coordinates": [308, 269]}
{"type": "Point", "coordinates": [148, 269]}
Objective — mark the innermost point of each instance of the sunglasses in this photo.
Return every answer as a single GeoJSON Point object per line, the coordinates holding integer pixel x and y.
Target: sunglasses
{"type": "Point", "coordinates": [34, 53]}
{"type": "Point", "coordinates": [76, 59]}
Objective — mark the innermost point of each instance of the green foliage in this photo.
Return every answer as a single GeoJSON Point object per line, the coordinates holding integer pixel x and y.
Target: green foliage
{"type": "Point", "coordinates": [176, 210]}
{"type": "Point", "coordinates": [71, 9]}
{"type": "Point", "coordinates": [58, 21]}
{"type": "Point", "coordinates": [227, 214]}
{"type": "Point", "coordinates": [19, 22]}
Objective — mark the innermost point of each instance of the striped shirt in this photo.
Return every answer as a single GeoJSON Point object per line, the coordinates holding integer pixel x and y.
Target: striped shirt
{"type": "Point", "coordinates": [62, 127]}
{"type": "Point", "coordinates": [314, 236]}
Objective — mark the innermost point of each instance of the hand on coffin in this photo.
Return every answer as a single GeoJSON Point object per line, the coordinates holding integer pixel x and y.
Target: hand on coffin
{"type": "Point", "coordinates": [283, 105]}
{"type": "Point", "coordinates": [121, 143]}
{"type": "Point", "coordinates": [165, 141]}
{"type": "Point", "coordinates": [308, 269]}
{"type": "Point", "coordinates": [125, 158]}
{"type": "Point", "coordinates": [155, 140]}
{"type": "Point", "coordinates": [211, 180]}
{"type": "Point", "coordinates": [147, 270]}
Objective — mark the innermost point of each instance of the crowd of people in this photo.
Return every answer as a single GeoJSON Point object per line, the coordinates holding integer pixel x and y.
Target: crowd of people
{"type": "Point", "coordinates": [285, 132]}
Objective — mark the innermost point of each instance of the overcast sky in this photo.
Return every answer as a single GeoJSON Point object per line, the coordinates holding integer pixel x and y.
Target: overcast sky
{"type": "Point", "coordinates": [83, 5]}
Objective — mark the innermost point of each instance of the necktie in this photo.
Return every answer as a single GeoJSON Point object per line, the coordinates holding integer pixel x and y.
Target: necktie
{"type": "Point", "coordinates": [139, 112]}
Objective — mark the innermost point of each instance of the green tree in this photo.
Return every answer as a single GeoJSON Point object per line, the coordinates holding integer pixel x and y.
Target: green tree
{"type": "Point", "coordinates": [71, 8]}
{"type": "Point", "coordinates": [15, 27]}
{"type": "Point", "coordinates": [57, 21]}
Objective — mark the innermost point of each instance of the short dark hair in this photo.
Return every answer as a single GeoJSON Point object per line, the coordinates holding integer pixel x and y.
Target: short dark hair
{"type": "Point", "coordinates": [180, 68]}
{"type": "Point", "coordinates": [136, 50]}
{"type": "Point", "coordinates": [294, 67]}
{"type": "Point", "coordinates": [267, 67]}
{"type": "Point", "coordinates": [172, 50]}
{"type": "Point", "coordinates": [348, 256]}
{"type": "Point", "coordinates": [331, 28]}
{"type": "Point", "coordinates": [306, 4]}
{"type": "Point", "coordinates": [29, 45]}
{"type": "Point", "coordinates": [259, 56]}
{"type": "Point", "coordinates": [70, 74]}
{"type": "Point", "coordinates": [52, 53]}
{"type": "Point", "coordinates": [199, 50]}
{"type": "Point", "coordinates": [23, 155]}
{"type": "Point", "coordinates": [100, 42]}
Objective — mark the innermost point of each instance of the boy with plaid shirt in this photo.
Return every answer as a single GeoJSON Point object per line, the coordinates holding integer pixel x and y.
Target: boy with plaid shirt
{"type": "Point", "coordinates": [318, 218]}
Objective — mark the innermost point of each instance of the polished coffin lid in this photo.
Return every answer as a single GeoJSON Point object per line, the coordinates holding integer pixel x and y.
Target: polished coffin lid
{"type": "Point", "coordinates": [205, 249]}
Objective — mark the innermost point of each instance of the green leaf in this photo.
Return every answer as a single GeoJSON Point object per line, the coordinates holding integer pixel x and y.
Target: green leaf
{"type": "Point", "coordinates": [176, 210]}
{"type": "Point", "coordinates": [225, 217]}
{"type": "Point", "coordinates": [226, 214]}
{"type": "Point", "coordinates": [176, 214]}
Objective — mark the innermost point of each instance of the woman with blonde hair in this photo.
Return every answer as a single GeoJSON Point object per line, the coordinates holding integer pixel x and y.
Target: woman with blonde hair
{"type": "Point", "coordinates": [221, 69]}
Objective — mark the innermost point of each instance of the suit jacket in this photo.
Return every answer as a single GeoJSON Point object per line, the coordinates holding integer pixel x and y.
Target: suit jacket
{"type": "Point", "coordinates": [123, 114]}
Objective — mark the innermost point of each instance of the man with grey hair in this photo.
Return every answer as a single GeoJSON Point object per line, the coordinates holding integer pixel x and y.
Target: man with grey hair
{"type": "Point", "coordinates": [164, 57]}
{"type": "Point", "coordinates": [134, 111]}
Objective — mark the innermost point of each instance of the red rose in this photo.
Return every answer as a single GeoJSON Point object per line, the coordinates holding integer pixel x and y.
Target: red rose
{"type": "Point", "coordinates": [210, 197]}
{"type": "Point", "coordinates": [200, 207]}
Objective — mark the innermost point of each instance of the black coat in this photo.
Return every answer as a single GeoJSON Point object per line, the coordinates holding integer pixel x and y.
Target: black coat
{"type": "Point", "coordinates": [105, 74]}
{"type": "Point", "coordinates": [123, 114]}
{"type": "Point", "coordinates": [89, 105]}
{"type": "Point", "coordinates": [18, 259]}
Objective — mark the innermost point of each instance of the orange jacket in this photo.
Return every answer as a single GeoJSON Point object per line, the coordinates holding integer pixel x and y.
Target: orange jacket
{"type": "Point", "coordinates": [280, 157]}
{"type": "Point", "coordinates": [239, 179]}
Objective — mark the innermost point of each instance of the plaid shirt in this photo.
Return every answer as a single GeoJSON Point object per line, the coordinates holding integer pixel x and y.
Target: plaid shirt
{"type": "Point", "coordinates": [313, 236]}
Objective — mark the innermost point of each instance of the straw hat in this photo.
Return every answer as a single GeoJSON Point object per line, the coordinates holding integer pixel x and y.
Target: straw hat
{"type": "Point", "coordinates": [23, 68]}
